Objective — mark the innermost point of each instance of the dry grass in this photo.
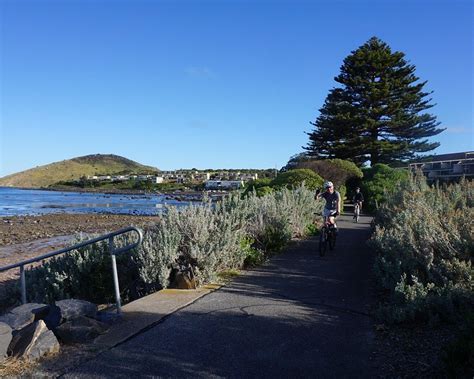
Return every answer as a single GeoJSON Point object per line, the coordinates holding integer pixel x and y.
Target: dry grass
{"type": "Point", "coordinates": [16, 367]}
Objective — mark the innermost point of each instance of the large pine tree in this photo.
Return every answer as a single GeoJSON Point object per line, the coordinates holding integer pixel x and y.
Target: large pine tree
{"type": "Point", "coordinates": [376, 114]}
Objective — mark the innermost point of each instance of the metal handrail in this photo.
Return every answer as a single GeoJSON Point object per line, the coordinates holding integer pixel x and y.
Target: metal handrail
{"type": "Point", "coordinates": [113, 252]}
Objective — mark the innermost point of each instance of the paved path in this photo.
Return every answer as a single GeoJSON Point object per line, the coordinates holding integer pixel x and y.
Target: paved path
{"type": "Point", "coordinates": [297, 316]}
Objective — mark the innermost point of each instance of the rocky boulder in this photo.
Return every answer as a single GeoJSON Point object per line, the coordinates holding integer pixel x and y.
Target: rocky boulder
{"type": "Point", "coordinates": [23, 315]}
{"type": "Point", "coordinates": [184, 281]}
{"type": "Point", "coordinates": [34, 341]}
{"type": "Point", "coordinates": [5, 339]}
{"type": "Point", "coordinates": [79, 330]}
{"type": "Point", "coordinates": [52, 317]}
{"type": "Point", "coordinates": [73, 308]}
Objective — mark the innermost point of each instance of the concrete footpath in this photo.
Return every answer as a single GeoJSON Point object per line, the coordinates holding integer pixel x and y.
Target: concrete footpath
{"type": "Point", "coordinates": [299, 315]}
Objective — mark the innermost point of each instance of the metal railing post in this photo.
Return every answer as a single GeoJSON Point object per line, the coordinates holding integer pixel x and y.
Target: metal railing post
{"type": "Point", "coordinates": [23, 284]}
{"type": "Point", "coordinates": [115, 275]}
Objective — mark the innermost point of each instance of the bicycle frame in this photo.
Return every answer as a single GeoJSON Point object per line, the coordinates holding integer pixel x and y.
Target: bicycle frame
{"type": "Point", "coordinates": [327, 236]}
{"type": "Point", "coordinates": [356, 211]}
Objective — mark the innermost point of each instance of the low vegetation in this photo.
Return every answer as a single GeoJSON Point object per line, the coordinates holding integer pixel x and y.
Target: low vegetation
{"type": "Point", "coordinates": [424, 239]}
{"type": "Point", "coordinates": [129, 185]}
{"type": "Point", "coordinates": [379, 182]}
{"type": "Point", "coordinates": [288, 179]}
{"type": "Point", "coordinates": [204, 239]}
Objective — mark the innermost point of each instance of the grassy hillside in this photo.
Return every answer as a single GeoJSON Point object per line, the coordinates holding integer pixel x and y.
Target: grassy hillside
{"type": "Point", "coordinates": [73, 169]}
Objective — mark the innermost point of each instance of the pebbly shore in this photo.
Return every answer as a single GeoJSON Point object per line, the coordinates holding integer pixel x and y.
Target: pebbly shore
{"type": "Point", "coordinates": [22, 229]}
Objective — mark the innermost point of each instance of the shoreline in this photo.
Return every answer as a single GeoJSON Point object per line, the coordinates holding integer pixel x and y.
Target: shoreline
{"type": "Point", "coordinates": [22, 229]}
{"type": "Point", "coordinates": [116, 191]}
{"type": "Point", "coordinates": [190, 193]}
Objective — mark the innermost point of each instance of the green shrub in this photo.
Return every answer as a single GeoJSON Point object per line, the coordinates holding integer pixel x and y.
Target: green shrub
{"type": "Point", "coordinates": [295, 178]}
{"type": "Point", "coordinates": [311, 229]}
{"type": "Point", "coordinates": [342, 191]}
{"type": "Point", "coordinates": [263, 191]}
{"type": "Point", "coordinates": [336, 170]}
{"type": "Point", "coordinates": [253, 256]}
{"type": "Point", "coordinates": [261, 186]}
{"type": "Point", "coordinates": [379, 181]}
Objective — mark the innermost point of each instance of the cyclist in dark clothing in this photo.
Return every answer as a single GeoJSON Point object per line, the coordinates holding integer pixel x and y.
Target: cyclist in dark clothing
{"type": "Point", "coordinates": [358, 198]}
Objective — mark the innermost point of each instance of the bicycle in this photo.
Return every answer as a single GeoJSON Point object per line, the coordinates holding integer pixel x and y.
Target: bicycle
{"type": "Point", "coordinates": [327, 237]}
{"type": "Point", "coordinates": [356, 211]}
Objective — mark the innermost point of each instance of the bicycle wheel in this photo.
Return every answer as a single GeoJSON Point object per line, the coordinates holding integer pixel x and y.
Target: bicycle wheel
{"type": "Point", "coordinates": [332, 239]}
{"type": "Point", "coordinates": [356, 213]}
{"type": "Point", "coordinates": [323, 242]}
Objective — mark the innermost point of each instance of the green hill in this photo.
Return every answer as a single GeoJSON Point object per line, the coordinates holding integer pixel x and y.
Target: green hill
{"type": "Point", "coordinates": [73, 169]}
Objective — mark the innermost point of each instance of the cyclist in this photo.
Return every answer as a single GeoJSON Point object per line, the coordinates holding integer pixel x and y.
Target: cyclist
{"type": "Point", "coordinates": [333, 203]}
{"type": "Point", "coordinates": [358, 199]}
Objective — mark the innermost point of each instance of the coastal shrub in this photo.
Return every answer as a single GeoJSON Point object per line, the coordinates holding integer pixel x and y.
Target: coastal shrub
{"type": "Point", "coordinates": [158, 252]}
{"type": "Point", "coordinates": [206, 238]}
{"type": "Point", "coordinates": [342, 191]}
{"type": "Point", "coordinates": [85, 274]}
{"type": "Point", "coordinates": [379, 182]}
{"type": "Point", "coordinates": [295, 178]}
{"type": "Point", "coordinates": [257, 184]}
{"type": "Point", "coordinates": [424, 238]}
{"type": "Point", "coordinates": [210, 237]}
{"type": "Point", "coordinates": [338, 171]}
{"type": "Point", "coordinates": [265, 190]}
{"type": "Point", "coordinates": [253, 256]}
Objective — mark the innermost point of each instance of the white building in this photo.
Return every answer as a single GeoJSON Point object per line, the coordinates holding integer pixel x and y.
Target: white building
{"type": "Point", "coordinates": [224, 184]}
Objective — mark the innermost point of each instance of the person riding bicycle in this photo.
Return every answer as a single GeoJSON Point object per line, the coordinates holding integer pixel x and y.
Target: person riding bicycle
{"type": "Point", "coordinates": [358, 198]}
{"type": "Point", "coordinates": [333, 203]}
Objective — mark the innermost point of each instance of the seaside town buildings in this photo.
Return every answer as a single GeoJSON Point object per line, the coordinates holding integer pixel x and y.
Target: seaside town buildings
{"type": "Point", "coordinates": [447, 167]}
{"type": "Point", "coordinates": [223, 179]}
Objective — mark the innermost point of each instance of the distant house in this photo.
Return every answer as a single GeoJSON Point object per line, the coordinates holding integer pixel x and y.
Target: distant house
{"type": "Point", "coordinates": [247, 177]}
{"type": "Point", "coordinates": [224, 184]}
{"type": "Point", "coordinates": [447, 167]}
{"type": "Point", "coordinates": [104, 177]}
{"type": "Point", "coordinates": [120, 178]}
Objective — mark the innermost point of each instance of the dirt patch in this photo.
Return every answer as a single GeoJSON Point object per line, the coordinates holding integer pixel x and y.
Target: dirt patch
{"type": "Point", "coordinates": [413, 351]}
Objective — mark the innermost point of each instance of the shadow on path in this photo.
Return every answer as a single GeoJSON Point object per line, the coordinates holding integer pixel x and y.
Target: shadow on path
{"type": "Point", "coordinates": [299, 315]}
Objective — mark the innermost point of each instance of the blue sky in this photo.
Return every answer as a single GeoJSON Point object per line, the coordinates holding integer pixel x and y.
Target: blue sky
{"type": "Point", "coordinates": [181, 84]}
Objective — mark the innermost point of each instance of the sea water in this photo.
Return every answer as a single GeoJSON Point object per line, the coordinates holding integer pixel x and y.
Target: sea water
{"type": "Point", "coordinates": [15, 202]}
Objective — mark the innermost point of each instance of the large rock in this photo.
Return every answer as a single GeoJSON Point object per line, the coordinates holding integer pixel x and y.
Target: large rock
{"type": "Point", "coordinates": [23, 315]}
{"type": "Point", "coordinates": [5, 339]}
{"type": "Point", "coordinates": [81, 329]}
{"type": "Point", "coordinates": [184, 281]}
{"type": "Point", "coordinates": [34, 341]}
{"type": "Point", "coordinates": [73, 308]}
{"type": "Point", "coordinates": [52, 317]}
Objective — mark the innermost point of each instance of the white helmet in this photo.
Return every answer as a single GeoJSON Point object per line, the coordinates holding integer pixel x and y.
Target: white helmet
{"type": "Point", "coordinates": [328, 185]}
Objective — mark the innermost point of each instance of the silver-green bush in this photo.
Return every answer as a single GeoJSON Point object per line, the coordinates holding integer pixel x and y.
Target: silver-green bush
{"type": "Point", "coordinates": [425, 243]}
{"type": "Point", "coordinates": [207, 238]}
